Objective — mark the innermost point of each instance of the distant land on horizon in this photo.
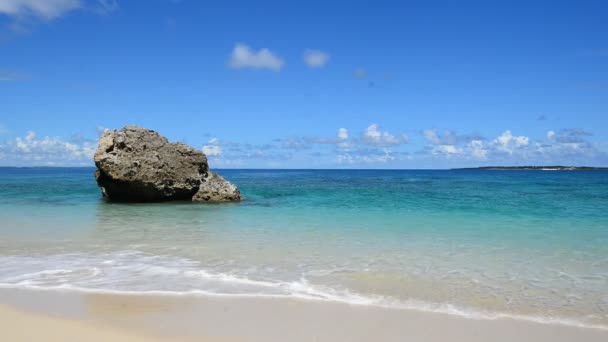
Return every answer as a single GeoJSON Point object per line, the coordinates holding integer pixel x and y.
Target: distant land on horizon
{"type": "Point", "coordinates": [535, 168]}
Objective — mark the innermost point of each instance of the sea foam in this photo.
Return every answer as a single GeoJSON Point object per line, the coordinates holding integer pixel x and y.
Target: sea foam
{"type": "Point", "coordinates": [136, 273]}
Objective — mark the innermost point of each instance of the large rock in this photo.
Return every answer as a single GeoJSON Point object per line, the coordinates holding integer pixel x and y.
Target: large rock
{"type": "Point", "coordinates": [140, 165]}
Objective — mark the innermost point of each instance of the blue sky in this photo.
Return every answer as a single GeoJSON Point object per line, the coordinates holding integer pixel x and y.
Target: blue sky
{"type": "Point", "coordinates": [315, 84]}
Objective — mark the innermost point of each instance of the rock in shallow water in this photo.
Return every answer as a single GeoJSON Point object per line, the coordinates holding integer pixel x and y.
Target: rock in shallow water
{"type": "Point", "coordinates": [139, 165]}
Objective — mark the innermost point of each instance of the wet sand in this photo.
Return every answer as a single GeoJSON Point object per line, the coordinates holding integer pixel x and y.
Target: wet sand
{"type": "Point", "coordinates": [64, 316]}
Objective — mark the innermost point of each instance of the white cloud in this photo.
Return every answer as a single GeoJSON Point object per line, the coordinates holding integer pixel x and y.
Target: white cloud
{"type": "Point", "coordinates": [47, 9]}
{"type": "Point", "coordinates": [374, 136]}
{"type": "Point", "coordinates": [31, 150]}
{"type": "Point", "coordinates": [243, 56]}
{"type": "Point", "coordinates": [342, 134]}
{"type": "Point", "coordinates": [507, 142]}
{"type": "Point", "coordinates": [213, 148]}
{"type": "Point", "coordinates": [343, 139]}
{"type": "Point", "coordinates": [447, 137]}
{"type": "Point", "coordinates": [477, 150]}
{"type": "Point", "coordinates": [366, 157]}
{"type": "Point", "coordinates": [446, 150]}
{"type": "Point", "coordinates": [521, 141]}
{"type": "Point", "coordinates": [431, 136]}
{"type": "Point", "coordinates": [566, 146]}
{"type": "Point", "coordinates": [315, 58]}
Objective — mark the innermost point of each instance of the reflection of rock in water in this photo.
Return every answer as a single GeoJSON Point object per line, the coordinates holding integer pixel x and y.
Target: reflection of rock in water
{"type": "Point", "coordinates": [139, 165]}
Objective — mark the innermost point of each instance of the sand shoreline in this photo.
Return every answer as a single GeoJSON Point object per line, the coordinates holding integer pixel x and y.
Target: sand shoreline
{"type": "Point", "coordinates": [158, 318]}
{"type": "Point", "coordinates": [18, 325]}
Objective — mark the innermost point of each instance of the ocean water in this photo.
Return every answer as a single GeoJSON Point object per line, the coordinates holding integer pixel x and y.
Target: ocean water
{"type": "Point", "coordinates": [483, 244]}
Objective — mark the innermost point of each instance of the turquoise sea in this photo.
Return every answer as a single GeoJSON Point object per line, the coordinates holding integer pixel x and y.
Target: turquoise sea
{"type": "Point", "coordinates": [483, 244]}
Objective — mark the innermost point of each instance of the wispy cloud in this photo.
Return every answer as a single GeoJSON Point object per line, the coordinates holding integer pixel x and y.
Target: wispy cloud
{"type": "Point", "coordinates": [46, 9]}
{"type": "Point", "coordinates": [569, 135]}
{"type": "Point", "coordinates": [448, 137]}
{"type": "Point", "coordinates": [360, 73]}
{"type": "Point", "coordinates": [25, 15]}
{"type": "Point", "coordinates": [316, 58]}
{"type": "Point", "coordinates": [340, 141]}
{"type": "Point", "coordinates": [106, 6]}
{"type": "Point", "coordinates": [243, 56]}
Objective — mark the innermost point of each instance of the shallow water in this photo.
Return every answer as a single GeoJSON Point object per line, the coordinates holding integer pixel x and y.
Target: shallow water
{"type": "Point", "coordinates": [528, 244]}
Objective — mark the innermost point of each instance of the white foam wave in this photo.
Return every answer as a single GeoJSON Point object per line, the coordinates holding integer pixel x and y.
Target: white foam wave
{"type": "Point", "coordinates": [135, 273]}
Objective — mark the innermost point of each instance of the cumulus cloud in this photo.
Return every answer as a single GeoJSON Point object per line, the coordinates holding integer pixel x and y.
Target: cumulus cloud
{"type": "Point", "coordinates": [369, 147]}
{"type": "Point", "coordinates": [212, 148]}
{"type": "Point", "coordinates": [507, 142]}
{"type": "Point", "coordinates": [243, 56]}
{"type": "Point", "coordinates": [477, 150]}
{"type": "Point", "coordinates": [566, 146]}
{"type": "Point", "coordinates": [504, 144]}
{"type": "Point", "coordinates": [31, 150]}
{"type": "Point", "coordinates": [343, 142]}
{"type": "Point", "coordinates": [46, 9]}
{"type": "Point", "coordinates": [374, 136]}
{"type": "Point", "coordinates": [315, 58]}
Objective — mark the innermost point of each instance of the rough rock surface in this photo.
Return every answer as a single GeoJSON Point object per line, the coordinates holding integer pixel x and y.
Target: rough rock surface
{"type": "Point", "coordinates": [139, 165]}
{"type": "Point", "coordinates": [216, 189]}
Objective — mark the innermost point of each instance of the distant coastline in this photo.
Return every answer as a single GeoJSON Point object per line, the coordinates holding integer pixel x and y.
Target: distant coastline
{"type": "Point", "coordinates": [536, 168]}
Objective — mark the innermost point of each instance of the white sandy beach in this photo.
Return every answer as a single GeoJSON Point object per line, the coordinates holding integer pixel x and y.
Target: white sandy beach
{"type": "Point", "coordinates": [19, 325]}
{"type": "Point", "coordinates": [62, 316]}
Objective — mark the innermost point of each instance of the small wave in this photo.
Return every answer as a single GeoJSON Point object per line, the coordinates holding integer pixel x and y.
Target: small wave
{"type": "Point", "coordinates": [135, 273]}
